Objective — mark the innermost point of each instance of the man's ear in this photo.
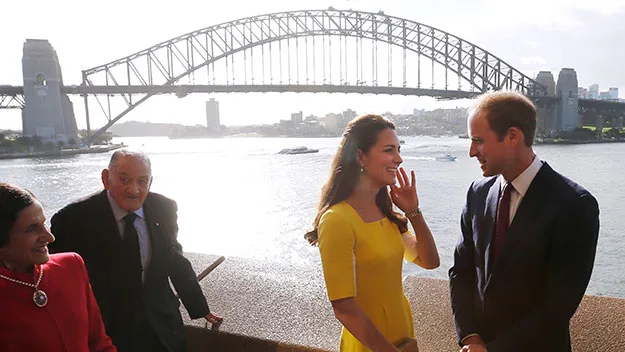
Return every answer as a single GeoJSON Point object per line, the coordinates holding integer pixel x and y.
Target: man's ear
{"type": "Point", "coordinates": [105, 178]}
{"type": "Point", "coordinates": [515, 136]}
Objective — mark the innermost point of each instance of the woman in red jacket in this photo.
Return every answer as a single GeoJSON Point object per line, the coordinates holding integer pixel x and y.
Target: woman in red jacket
{"type": "Point", "coordinates": [46, 302]}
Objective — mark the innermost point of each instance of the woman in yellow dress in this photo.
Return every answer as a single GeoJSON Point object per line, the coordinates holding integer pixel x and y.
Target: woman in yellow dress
{"type": "Point", "coordinates": [363, 241]}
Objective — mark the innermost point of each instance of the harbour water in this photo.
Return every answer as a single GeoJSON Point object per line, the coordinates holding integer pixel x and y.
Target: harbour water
{"type": "Point", "coordinates": [238, 197]}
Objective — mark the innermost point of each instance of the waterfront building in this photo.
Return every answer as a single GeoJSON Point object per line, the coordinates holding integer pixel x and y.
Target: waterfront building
{"type": "Point", "coordinates": [212, 115]}
{"type": "Point", "coordinates": [593, 91]}
{"type": "Point", "coordinates": [297, 117]}
{"type": "Point", "coordinates": [582, 93]}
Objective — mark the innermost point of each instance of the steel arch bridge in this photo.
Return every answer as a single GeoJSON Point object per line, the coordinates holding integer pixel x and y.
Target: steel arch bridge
{"type": "Point", "coordinates": [295, 51]}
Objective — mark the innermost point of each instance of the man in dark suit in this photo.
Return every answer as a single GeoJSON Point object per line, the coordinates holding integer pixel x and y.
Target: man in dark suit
{"type": "Point", "coordinates": [529, 237]}
{"type": "Point", "coordinates": [127, 236]}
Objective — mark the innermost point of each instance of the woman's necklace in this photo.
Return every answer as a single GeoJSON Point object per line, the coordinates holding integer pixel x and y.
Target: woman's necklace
{"type": "Point", "coordinates": [39, 297]}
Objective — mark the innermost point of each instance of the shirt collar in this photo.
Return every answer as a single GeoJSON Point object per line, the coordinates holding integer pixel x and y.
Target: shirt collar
{"type": "Point", "coordinates": [522, 182]}
{"type": "Point", "coordinates": [118, 211]}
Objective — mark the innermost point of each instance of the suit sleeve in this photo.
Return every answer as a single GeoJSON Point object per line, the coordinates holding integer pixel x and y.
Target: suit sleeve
{"type": "Point", "coordinates": [98, 340]}
{"type": "Point", "coordinates": [571, 260]}
{"type": "Point", "coordinates": [62, 229]}
{"type": "Point", "coordinates": [462, 276]}
{"type": "Point", "coordinates": [182, 275]}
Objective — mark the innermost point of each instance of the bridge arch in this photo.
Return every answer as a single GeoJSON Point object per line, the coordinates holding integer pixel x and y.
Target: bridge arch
{"type": "Point", "coordinates": [168, 62]}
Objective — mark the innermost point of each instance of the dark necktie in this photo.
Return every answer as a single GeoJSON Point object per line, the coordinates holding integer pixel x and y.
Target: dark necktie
{"type": "Point", "coordinates": [503, 219]}
{"type": "Point", "coordinates": [131, 252]}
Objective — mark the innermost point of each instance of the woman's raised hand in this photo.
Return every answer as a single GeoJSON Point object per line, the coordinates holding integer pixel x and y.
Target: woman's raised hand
{"type": "Point", "coordinates": [404, 194]}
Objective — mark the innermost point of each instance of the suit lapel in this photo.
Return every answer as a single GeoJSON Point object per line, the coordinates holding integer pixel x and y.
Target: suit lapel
{"type": "Point", "coordinates": [490, 215]}
{"type": "Point", "coordinates": [157, 239]}
{"type": "Point", "coordinates": [109, 230]}
{"type": "Point", "coordinates": [533, 211]}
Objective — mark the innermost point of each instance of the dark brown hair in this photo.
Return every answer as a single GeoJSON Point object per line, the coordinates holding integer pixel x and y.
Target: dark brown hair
{"type": "Point", "coordinates": [361, 134]}
{"type": "Point", "coordinates": [506, 109]}
{"type": "Point", "coordinates": [13, 200]}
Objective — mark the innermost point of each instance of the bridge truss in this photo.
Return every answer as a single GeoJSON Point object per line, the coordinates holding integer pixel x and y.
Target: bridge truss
{"type": "Point", "coordinates": [317, 50]}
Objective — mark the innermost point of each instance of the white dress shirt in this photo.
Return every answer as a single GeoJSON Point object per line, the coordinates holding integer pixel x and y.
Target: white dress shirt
{"type": "Point", "coordinates": [145, 247]}
{"type": "Point", "coordinates": [521, 185]}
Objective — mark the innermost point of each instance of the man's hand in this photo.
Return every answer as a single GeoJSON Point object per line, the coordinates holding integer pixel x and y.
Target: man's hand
{"type": "Point", "coordinates": [473, 348]}
{"type": "Point", "coordinates": [473, 344]}
{"type": "Point", "coordinates": [213, 319]}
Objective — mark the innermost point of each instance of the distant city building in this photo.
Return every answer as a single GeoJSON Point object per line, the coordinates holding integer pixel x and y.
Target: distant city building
{"type": "Point", "coordinates": [348, 115]}
{"type": "Point", "coordinates": [613, 92]}
{"type": "Point", "coordinates": [332, 121]}
{"type": "Point", "coordinates": [593, 91]}
{"type": "Point", "coordinates": [545, 78]}
{"type": "Point", "coordinates": [604, 96]}
{"type": "Point", "coordinates": [297, 117]}
{"type": "Point", "coordinates": [582, 93]}
{"type": "Point", "coordinates": [48, 114]}
{"type": "Point", "coordinates": [418, 112]}
{"type": "Point", "coordinates": [212, 115]}
{"type": "Point", "coordinates": [311, 118]}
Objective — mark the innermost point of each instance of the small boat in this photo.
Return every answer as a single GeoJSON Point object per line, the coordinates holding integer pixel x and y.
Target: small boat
{"type": "Point", "coordinates": [447, 157]}
{"type": "Point", "coordinates": [298, 150]}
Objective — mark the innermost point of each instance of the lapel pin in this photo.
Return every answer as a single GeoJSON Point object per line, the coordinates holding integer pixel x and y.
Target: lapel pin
{"type": "Point", "coordinates": [157, 224]}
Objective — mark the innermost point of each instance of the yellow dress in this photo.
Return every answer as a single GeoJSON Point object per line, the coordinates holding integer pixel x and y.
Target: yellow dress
{"type": "Point", "coordinates": [364, 261]}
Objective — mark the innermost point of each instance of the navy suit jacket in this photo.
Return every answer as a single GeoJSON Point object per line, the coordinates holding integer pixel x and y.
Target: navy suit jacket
{"type": "Point", "coordinates": [88, 227]}
{"type": "Point", "coordinates": [525, 300]}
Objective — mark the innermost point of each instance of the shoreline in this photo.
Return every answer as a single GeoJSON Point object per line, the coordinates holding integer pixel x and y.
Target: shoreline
{"type": "Point", "coordinates": [62, 152]}
{"type": "Point", "coordinates": [579, 141]}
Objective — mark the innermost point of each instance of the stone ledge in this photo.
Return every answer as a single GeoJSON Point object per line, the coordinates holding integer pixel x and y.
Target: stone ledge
{"type": "Point", "coordinates": [273, 307]}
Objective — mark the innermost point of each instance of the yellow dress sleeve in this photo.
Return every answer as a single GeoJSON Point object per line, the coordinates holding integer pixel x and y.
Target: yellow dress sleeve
{"type": "Point", "coordinates": [336, 245]}
{"type": "Point", "coordinates": [410, 250]}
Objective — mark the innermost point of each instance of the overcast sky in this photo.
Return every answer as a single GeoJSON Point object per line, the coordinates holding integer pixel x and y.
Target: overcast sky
{"type": "Point", "coordinates": [531, 35]}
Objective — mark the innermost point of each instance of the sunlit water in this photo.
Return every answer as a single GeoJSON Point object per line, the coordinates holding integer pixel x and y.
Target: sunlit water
{"type": "Point", "coordinates": [238, 197]}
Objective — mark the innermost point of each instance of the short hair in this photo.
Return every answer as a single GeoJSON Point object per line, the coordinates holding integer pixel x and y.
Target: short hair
{"type": "Point", "coordinates": [505, 109]}
{"type": "Point", "coordinates": [13, 199]}
{"type": "Point", "coordinates": [143, 157]}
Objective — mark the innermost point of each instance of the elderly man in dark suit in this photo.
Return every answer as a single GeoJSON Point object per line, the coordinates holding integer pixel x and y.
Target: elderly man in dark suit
{"type": "Point", "coordinates": [529, 237]}
{"type": "Point", "coordinates": [127, 236]}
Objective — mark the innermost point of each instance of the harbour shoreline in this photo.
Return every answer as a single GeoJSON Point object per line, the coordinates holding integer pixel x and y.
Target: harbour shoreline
{"type": "Point", "coordinates": [63, 152]}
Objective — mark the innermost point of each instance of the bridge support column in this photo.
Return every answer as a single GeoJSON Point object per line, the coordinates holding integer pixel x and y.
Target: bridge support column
{"type": "Point", "coordinates": [48, 112]}
{"type": "Point", "coordinates": [619, 123]}
{"type": "Point", "coordinates": [568, 107]}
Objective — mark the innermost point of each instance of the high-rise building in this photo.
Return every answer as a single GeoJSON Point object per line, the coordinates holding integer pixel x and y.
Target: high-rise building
{"type": "Point", "coordinates": [212, 115]}
{"type": "Point", "coordinates": [348, 115]}
{"type": "Point", "coordinates": [613, 92]}
{"type": "Point", "coordinates": [593, 91]}
{"type": "Point", "coordinates": [582, 93]}
{"type": "Point", "coordinates": [332, 121]}
{"type": "Point", "coordinates": [297, 117]}
{"type": "Point", "coordinates": [48, 114]}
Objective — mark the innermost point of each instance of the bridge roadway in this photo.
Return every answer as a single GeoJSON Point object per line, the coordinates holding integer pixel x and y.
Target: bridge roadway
{"type": "Point", "coordinates": [183, 90]}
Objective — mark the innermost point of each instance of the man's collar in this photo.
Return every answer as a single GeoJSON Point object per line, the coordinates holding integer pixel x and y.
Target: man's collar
{"type": "Point", "coordinates": [120, 212]}
{"type": "Point", "coordinates": [522, 182]}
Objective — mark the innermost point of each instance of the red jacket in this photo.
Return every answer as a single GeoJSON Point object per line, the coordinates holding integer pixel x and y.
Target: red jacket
{"type": "Point", "coordinates": [69, 322]}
